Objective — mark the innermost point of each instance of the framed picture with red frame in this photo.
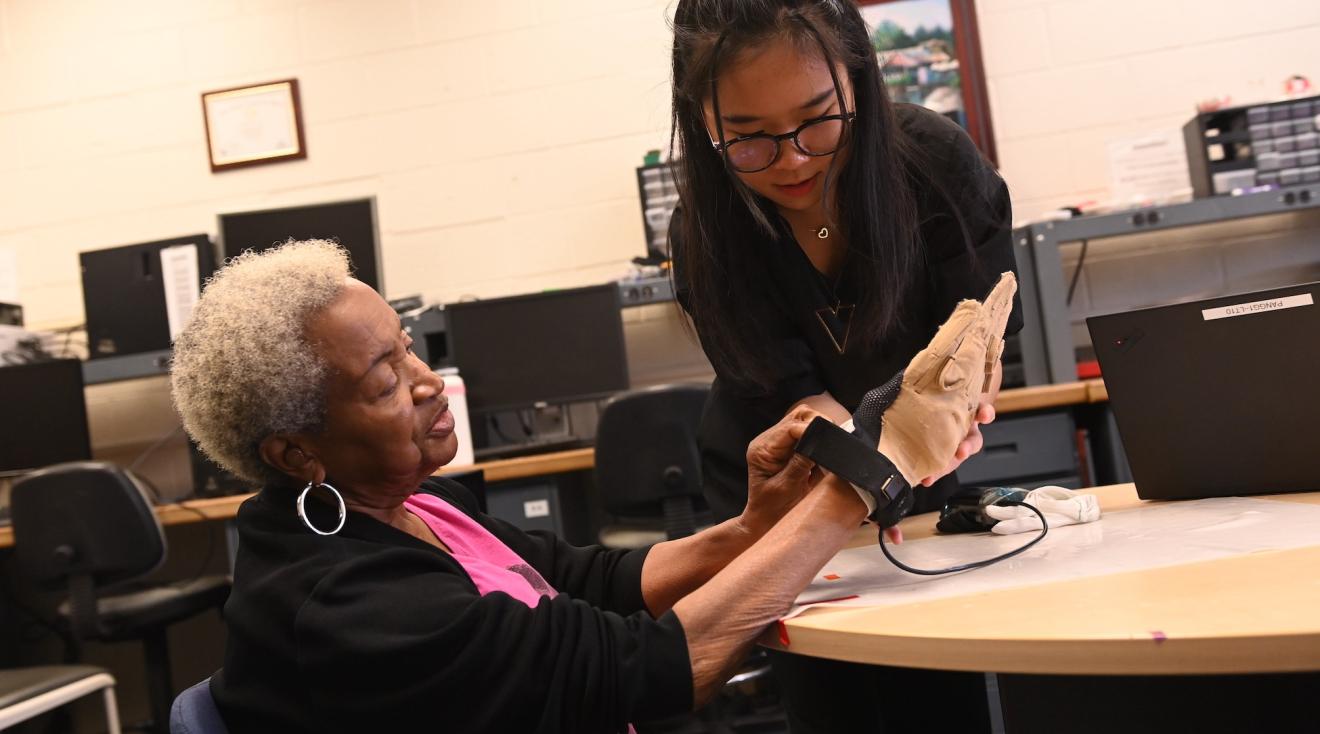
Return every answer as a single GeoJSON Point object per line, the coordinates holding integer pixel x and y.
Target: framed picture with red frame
{"type": "Point", "coordinates": [930, 54]}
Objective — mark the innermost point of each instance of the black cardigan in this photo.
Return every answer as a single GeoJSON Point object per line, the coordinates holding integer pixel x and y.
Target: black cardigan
{"type": "Point", "coordinates": [374, 630]}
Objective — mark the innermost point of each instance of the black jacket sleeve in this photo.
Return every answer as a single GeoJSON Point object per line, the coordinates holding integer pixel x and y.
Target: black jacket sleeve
{"type": "Point", "coordinates": [396, 639]}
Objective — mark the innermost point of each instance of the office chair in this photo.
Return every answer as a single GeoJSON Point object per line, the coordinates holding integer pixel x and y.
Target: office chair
{"type": "Point", "coordinates": [194, 712]}
{"type": "Point", "coordinates": [88, 527]}
{"type": "Point", "coordinates": [29, 692]}
{"type": "Point", "coordinates": [647, 463]}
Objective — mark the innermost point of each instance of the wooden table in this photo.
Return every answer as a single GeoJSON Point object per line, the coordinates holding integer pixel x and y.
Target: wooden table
{"type": "Point", "coordinates": [1253, 613]}
{"type": "Point", "coordinates": [223, 508]}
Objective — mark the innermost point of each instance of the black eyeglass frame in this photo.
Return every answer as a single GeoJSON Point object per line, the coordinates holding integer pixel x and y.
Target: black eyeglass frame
{"type": "Point", "coordinates": [845, 117]}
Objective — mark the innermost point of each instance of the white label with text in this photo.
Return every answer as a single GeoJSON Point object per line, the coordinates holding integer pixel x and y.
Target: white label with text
{"type": "Point", "coordinates": [1246, 309]}
{"type": "Point", "coordinates": [536, 508]}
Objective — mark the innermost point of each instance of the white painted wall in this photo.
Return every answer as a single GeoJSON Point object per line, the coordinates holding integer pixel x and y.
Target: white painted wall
{"type": "Point", "coordinates": [1067, 76]}
{"type": "Point", "coordinates": [500, 137]}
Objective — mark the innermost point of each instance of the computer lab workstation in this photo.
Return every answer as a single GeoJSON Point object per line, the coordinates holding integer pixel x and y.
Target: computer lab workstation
{"type": "Point", "coordinates": [1132, 544]}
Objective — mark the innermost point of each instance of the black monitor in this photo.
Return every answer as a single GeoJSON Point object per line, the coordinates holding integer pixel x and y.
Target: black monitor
{"type": "Point", "coordinates": [45, 415]}
{"type": "Point", "coordinates": [125, 293]}
{"type": "Point", "coordinates": [350, 223]}
{"type": "Point", "coordinates": [553, 347]}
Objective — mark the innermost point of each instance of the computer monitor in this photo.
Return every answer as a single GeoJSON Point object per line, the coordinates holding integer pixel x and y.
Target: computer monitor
{"type": "Point", "coordinates": [552, 347]}
{"type": "Point", "coordinates": [135, 297]}
{"type": "Point", "coordinates": [350, 223]}
{"type": "Point", "coordinates": [45, 415]}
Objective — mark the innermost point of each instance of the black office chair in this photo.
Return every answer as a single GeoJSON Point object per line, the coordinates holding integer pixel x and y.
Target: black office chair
{"type": "Point", "coordinates": [89, 527]}
{"type": "Point", "coordinates": [647, 463]}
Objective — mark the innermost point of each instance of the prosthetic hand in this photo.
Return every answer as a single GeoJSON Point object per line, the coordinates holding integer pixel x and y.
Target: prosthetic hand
{"type": "Point", "coordinates": [1060, 506]}
{"type": "Point", "coordinates": [910, 427]}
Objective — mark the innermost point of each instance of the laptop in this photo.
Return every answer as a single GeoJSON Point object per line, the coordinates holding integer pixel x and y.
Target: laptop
{"type": "Point", "coordinates": [1218, 397]}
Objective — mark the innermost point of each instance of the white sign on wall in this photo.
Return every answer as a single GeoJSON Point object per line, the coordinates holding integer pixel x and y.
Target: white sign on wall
{"type": "Point", "coordinates": [1149, 168]}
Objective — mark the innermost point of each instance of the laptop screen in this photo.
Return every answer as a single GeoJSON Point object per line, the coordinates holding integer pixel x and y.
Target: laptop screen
{"type": "Point", "coordinates": [1217, 397]}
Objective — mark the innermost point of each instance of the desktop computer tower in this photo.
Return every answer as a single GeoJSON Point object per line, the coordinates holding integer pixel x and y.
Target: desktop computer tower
{"type": "Point", "coordinates": [131, 294]}
{"type": "Point", "coordinates": [529, 505]}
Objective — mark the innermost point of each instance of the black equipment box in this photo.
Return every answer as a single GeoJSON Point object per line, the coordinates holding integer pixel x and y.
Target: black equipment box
{"type": "Point", "coordinates": [1274, 144]}
{"type": "Point", "coordinates": [124, 295]}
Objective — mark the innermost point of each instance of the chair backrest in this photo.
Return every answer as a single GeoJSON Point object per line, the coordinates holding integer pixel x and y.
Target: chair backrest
{"type": "Point", "coordinates": [84, 519]}
{"type": "Point", "coordinates": [194, 712]}
{"type": "Point", "coordinates": [646, 449]}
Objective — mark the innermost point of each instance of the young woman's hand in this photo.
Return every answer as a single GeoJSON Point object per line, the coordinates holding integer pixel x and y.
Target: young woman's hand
{"type": "Point", "coordinates": [970, 445]}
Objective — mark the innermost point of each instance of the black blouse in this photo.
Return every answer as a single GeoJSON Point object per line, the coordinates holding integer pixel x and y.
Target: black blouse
{"type": "Point", "coordinates": [804, 356]}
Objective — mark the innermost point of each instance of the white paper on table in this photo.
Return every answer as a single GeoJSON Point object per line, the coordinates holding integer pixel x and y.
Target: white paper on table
{"type": "Point", "coordinates": [1152, 536]}
{"type": "Point", "coordinates": [8, 275]}
{"type": "Point", "coordinates": [180, 276]}
{"type": "Point", "coordinates": [1149, 167]}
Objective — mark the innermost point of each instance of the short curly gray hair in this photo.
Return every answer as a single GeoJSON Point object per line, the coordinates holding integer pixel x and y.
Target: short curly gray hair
{"type": "Point", "coordinates": [243, 368]}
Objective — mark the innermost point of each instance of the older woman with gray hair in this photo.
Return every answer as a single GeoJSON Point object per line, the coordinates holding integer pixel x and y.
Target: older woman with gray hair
{"type": "Point", "coordinates": [369, 594]}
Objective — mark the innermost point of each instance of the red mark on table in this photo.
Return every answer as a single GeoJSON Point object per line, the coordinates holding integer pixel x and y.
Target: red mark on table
{"type": "Point", "coordinates": [831, 577]}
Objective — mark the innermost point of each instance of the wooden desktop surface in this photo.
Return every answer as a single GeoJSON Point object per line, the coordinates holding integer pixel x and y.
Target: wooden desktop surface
{"type": "Point", "coordinates": [1252, 613]}
{"type": "Point", "coordinates": [223, 508]}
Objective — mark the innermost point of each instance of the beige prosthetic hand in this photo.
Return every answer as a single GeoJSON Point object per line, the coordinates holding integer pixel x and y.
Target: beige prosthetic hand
{"type": "Point", "coordinates": [910, 427]}
{"type": "Point", "coordinates": [942, 385]}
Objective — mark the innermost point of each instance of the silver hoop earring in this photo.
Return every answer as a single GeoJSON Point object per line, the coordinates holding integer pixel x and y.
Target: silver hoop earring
{"type": "Point", "coordinates": [302, 513]}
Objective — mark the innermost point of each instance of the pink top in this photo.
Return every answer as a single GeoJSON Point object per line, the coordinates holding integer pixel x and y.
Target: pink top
{"type": "Point", "coordinates": [492, 565]}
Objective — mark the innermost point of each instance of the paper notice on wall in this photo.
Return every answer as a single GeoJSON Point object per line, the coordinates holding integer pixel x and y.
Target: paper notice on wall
{"type": "Point", "coordinates": [1149, 169]}
{"type": "Point", "coordinates": [180, 276]}
{"type": "Point", "coordinates": [8, 275]}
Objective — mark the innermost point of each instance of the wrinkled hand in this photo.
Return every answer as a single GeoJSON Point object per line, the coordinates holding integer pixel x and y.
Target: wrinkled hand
{"type": "Point", "coordinates": [777, 476]}
{"type": "Point", "coordinates": [935, 415]}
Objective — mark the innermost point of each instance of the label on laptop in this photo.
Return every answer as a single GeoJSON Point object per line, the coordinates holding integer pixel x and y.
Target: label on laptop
{"type": "Point", "coordinates": [1246, 309]}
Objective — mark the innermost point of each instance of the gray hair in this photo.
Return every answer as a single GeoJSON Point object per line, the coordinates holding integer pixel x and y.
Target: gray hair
{"type": "Point", "coordinates": [243, 368]}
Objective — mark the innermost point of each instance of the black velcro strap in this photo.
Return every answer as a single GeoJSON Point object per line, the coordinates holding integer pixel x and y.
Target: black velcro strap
{"type": "Point", "coordinates": [842, 453]}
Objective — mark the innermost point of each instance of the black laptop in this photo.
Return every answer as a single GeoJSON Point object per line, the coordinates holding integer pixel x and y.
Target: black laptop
{"type": "Point", "coordinates": [1217, 397]}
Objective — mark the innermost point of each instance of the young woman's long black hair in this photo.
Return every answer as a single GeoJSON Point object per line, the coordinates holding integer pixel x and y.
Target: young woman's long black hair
{"type": "Point", "coordinates": [724, 228]}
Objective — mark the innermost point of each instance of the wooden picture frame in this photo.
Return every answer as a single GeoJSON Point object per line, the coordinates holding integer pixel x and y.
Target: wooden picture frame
{"type": "Point", "coordinates": [253, 125]}
{"type": "Point", "coordinates": [944, 77]}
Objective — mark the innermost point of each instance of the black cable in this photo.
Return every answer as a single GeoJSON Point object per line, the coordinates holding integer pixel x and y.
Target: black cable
{"type": "Point", "coordinates": [1044, 528]}
{"type": "Point", "coordinates": [1077, 274]}
{"type": "Point", "coordinates": [210, 541]}
{"type": "Point", "coordinates": [210, 529]}
{"type": "Point", "coordinates": [153, 447]}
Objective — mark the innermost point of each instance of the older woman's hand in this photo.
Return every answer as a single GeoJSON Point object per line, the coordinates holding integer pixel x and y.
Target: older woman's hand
{"type": "Point", "coordinates": [777, 477]}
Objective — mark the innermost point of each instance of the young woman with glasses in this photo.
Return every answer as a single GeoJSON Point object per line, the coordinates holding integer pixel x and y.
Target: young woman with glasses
{"type": "Point", "coordinates": [823, 235]}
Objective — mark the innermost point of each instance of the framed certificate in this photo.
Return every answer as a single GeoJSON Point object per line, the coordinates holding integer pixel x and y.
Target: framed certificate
{"type": "Point", "coordinates": [248, 126]}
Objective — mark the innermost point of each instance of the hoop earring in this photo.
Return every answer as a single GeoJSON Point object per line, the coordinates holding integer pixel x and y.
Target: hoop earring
{"type": "Point", "coordinates": [302, 513]}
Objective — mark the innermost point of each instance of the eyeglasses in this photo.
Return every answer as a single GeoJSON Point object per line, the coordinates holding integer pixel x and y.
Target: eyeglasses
{"type": "Point", "coordinates": [757, 152]}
